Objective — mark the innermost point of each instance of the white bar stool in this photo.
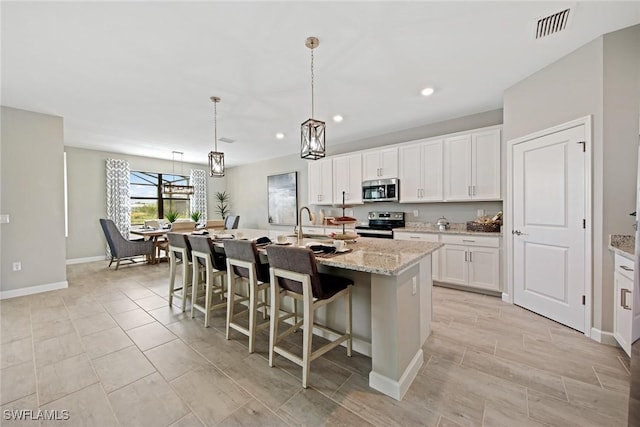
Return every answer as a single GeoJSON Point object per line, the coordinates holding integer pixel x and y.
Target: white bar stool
{"type": "Point", "coordinates": [205, 256]}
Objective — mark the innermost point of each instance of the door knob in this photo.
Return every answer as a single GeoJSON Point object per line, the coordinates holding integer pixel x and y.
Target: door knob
{"type": "Point", "coordinates": [518, 233]}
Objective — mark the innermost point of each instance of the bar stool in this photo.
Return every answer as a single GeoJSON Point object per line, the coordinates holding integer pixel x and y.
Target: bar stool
{"type": "Point", "coordinates": [243, 261]}
{"type": "Point", "coordinates": [179, 252]}
{"type": "Point", "coordinates": [206, 255]}
{"type": "Point", "coordinates": [294, 273]}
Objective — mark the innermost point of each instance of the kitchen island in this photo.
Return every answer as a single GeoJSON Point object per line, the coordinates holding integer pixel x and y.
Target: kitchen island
{"type": "Point", "coordinates": [391, 303]}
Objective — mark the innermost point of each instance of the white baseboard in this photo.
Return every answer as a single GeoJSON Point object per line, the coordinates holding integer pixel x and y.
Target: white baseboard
{"type": "Point", "coordinates": [505, 298]}
{"type": "Point", "coordinates": [603, 337]}
{"type": "Point", "coordinates": [13, 293]}
{"type": "Point", "coordinates": [393, 388]}
{"type": "Point", "coordinates": [87, 259]}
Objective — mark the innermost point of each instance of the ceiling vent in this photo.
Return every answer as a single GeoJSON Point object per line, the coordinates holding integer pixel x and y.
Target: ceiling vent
{"type": "Point", "coordinates": [552, 24]}
{"type": "Point", "coordinates": [227, 140]}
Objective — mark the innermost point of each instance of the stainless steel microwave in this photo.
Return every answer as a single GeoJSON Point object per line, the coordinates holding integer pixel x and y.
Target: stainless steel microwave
{"type": "Point", "coordinates": [381, 190]}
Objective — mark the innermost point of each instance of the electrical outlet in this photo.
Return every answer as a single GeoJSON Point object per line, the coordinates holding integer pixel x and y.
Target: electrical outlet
{"type": "Point", "coordinates": [4, 218]}
{"type": "Point", "coordinates": [416, 213]}
{"type": "Point", "coordinates": [17, 266]}
{"type": "Point", "coordinates": [414, 286]}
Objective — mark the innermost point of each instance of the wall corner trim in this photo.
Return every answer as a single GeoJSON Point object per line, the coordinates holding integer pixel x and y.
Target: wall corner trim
{"type": "Point", "coordinates": [86, 259]}
{"type": "Point", "coordinates": [13, 293]}
{"type": "Point", "coordinates": [603, 337]}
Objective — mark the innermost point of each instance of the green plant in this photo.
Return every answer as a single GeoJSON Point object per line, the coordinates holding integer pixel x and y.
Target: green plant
{"type": "Point", "coordinates": [171, 216]}
{"type": "Point", "coordinates": [223, 203]}
{"type": "Point", "coordinates": [195, 216]}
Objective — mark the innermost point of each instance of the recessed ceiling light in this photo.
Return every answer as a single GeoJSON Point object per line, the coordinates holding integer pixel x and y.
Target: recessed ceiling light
{"type": "Point", "coordinates": [280, 135]}
{"type": "Point", "coordinates": [427, 91]}
{"type": "Point", "coordinates": [337, 118]}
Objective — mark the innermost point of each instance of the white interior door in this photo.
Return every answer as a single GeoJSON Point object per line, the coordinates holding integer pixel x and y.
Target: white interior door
{"type": "Point", "coordinates": [549, 179]}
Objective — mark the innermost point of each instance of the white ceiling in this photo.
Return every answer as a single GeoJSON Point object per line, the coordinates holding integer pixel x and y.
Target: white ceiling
{"type": "Point", "coordinates": [136, 77]}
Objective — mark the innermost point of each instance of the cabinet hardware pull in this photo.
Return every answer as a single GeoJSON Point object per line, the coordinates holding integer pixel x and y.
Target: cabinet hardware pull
{"type": "Point", "coordinates": [465, 256]}
{"type": "Point", "coordinates": [473, 190]}
{"type": "Point", "coordinates": [470, 241]}
{"type": "Point", "coordinates": [470, 256]}
{"type": "Point", "coordinates": [623, 298]}
{"type": "Point", "coordinates": [625, 268]}
{"type": "Point", "coordinates": [518, 233]}
{"type": "Point", "coordinates": [414, 237]}
{"type": "Point", "coordinates": [418, 193]}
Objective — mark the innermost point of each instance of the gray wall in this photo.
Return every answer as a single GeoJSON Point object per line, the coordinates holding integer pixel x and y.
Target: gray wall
{"type": "Point", "coordinates": [32, 184]}
{"type": "Point", "coordinates": [599, 79]}
{"type": "Point", "coordinates": [248, 183]}
{"type": "Point", "coordinates": [87, 189]}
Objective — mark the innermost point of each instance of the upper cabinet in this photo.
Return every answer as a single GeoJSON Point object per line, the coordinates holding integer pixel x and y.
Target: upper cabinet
{"type": "Point", "coordinates": [380, 164]}
{"type": "Point", "coordinates": [320, 180]}
{"type": "Point", "coordinates": [472, 166]}
{"type": "Point", "coordinates": [347, 177]}
{"type": "Point", "coordinates": [421, 172]}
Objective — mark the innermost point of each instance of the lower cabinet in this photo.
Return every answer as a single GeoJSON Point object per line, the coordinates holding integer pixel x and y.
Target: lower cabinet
{"type": "Point", "coordinates": [623, 312]}
{"type": "Point", "coordinates": [424, 237]}
{"type": "Point", "coordinates": [472, 261]}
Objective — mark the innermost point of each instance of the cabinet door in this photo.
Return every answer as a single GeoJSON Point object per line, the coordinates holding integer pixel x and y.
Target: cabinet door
{"type": "Point", "coordinates": [484, 268]}
{"type": "Point", "coordinates": [485, 165]}
{"type": "Point", "coordinates": [432, 173]}
{"type": "Point", "coordinates": [370, 165]}
{"type": "Point", "coordinates": [424, 237]}
{"type": "Point", "coordinates": [457, 168]}
{"type": "Point", "coordinates": [326, 196]}
{"type": "Point", "coordinates": [347, 177]}
{"type": "Point", "coordinates": [623, 316]}
{"type": "Point", "coordinates": [410, 173]}
{"type": "Point", "coordinates": [389, 163]}
{"type": "Point", "coordinates": [453, 264]}
{"type": "Point", "coordinates": [320, 182]}
{"type": "Point", "coordinates": [340, 178]}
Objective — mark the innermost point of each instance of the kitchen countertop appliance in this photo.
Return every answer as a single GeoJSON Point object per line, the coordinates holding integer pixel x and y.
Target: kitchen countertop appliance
{"type": "Point", "coordinates": [381, 224]}
{"type": "Point", "coordinates": [442, 223]}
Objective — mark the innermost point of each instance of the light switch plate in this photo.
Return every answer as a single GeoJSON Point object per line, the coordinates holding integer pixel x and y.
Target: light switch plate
{"type": "Point", "coordinates": [4, 218]}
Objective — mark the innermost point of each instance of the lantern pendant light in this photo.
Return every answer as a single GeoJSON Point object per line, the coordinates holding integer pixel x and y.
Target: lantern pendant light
{"type": "Point", "coordinates": [216, 158]}
{"type": "Point", "coordinates": [312, 145]}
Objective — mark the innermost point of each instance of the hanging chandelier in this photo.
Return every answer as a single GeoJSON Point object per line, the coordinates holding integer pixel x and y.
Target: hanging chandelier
{"type": "Point", "coordinates": [312, 145]}
{"type": "Point", "coordinates": [216, 158]}
{"type": "Point", "coordinates": [171, 187]}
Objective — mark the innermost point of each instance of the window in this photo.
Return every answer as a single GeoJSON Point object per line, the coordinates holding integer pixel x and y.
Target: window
{"type": "Point", "coordinates": [148, 201]}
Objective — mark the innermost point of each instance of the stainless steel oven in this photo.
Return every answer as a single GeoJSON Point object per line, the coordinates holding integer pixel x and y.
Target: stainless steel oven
{"type": "Point", "coordinates": [381, 224]}
{"type": "Point", "coordinates": [381, 190]}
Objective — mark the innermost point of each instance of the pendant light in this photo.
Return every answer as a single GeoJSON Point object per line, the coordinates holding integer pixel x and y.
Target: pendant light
{"type": "Point", "coordinates": [216, 158]}
{"type": "Point", "coordinates": [312, 144]}
{"type": "Point", "coordinates": [172, 188]}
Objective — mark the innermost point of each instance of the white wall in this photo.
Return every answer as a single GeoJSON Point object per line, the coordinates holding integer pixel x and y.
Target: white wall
{"type": "Point", "coordinates": [86, 195]}
{"type": "Point", "coordinates": [599, 79]}
{"type": "Point", "coordinates": [32, 194]}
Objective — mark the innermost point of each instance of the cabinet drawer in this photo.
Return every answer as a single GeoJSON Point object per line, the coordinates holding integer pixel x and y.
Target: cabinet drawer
{"type": "Point", "coordinates": [421, 237]}
{"type": "Point", "coordinates": [624, 266]}
{"type": "Point", "coordinates": [470, 240]}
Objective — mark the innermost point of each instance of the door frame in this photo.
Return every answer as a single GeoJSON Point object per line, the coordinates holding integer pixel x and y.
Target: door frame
{"type": "Point", "coordinates": [585, 121]}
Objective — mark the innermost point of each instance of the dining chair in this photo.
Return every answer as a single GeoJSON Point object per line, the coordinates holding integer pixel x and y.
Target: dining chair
{"type": "Point", "coordinates": [243, 262]}
{"type": "Point", "coordinates": [294, 273]}
{"type": "Point", "coordinates": [122, 249]}
{"type": "Point", "coordinates": [207, 256]}
{"type": "Point", "coordinates": [179, 253]}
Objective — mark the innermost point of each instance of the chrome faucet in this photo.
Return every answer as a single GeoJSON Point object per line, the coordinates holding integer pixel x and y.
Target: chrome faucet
{"type": "Point", "coordinates": [300, 234]}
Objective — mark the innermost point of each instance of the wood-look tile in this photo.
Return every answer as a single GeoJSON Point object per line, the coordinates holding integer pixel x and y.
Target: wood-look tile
{"type": "Point", "coordinates": [210, 394]}
{"type": "Point", "coordinates": [105, 342]}
{"type": "Point", "coordinates": [175, 358]}
{"type": "Point", "coordinates": [13, 415]}
{"type": "Point", "coordinates": [310, 407]}
{"type": "Point", "coordinates": [615, 379]}
{"type": "Point", "coordinates": [86, 407]}
{"type": "Point", "coordinates": [471, 338]}
{"type": "Point", "coordinates": [64, 377]}
{"type": "Point", "coordinates": [53, 350]}
{"type": "Point", "coordinates": [189, 420]}
{"type": "Point", "coordinates": [607, 402]}
{"type": "Point", "coordinates": [584, 350]}
{"type": "Point", "coordinates": [556, 412]}
{"type": "Point", "coordinates": [505, 416]}
{"type": "Point", "coordinates": [17, 382]}
{"type": "Point", "coordinates": [446, 422]}
{"type": "Point", "coordinates": [150, 335]}
{"type": "Point", "coordinates": [16, 352]}
{"type": "Point", "coordinates": [150, 401]}
{"type": "Point", "coordinates": [443, 347]}
{"type": "Point", "coordinates": [122, 367]}
{"type": "Point", "coordinates": [252, 413]}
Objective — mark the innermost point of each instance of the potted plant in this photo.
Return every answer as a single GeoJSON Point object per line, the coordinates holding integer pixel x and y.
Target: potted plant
{"type": "Point", "coordinates": [196, 216]}
{"type": "Point", "coordinates": [171, 216]}
{"type": "Point", "coordinates": [222, 206]}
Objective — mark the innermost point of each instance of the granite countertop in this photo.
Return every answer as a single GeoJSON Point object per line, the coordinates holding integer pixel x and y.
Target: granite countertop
{"type": "Point", "coordinates": [454, 228]}
{"type": "Point", "coordinates": [370, 255]}
{"type": "Point", "coordinates": [622, 244]}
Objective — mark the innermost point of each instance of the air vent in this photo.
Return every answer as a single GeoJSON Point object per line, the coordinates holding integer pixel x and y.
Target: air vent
{"type": "Point", "coordinates": [227, 140]}
{"type": "Point", "coordinates": [552, 24]}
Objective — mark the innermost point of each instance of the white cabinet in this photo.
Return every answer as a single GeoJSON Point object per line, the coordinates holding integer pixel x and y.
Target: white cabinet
{"type": "Point", "coordinates": [470, 260]}
{"type": "Point", "coordinates": [380, 164]}
{"type": "Point", "coordinates": [423, 237]}
{"type": "Point", "coordinates": [347, 177]}
{"type": "Point", "coordinates": [472, 166]}
{"type": "Point", "coordinates": [623, 311]}
{"type": "Point", "coordinates": [421, 172]}
{"type": "Point", "coordinates": [320, 180]}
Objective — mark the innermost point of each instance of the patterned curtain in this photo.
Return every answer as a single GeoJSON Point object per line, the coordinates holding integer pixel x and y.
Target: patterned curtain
{"type": "Point", "coordinates": [199, 197]}
{"type": "Point", "coordinates": [118, 201]}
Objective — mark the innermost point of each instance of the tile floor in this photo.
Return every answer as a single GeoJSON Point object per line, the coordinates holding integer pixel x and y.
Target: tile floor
{"type": "Point", "coordinates": [111, 352]}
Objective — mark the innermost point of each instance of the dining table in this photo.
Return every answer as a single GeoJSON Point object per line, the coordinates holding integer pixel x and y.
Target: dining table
{"type": "Point", "coordinates": [153, 234]}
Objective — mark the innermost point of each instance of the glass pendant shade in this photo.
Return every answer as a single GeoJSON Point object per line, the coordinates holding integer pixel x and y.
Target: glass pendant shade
{"type": "Point", "coordinates": [312, 140]}
{"type": "Point", "coordinates": [216, 163]}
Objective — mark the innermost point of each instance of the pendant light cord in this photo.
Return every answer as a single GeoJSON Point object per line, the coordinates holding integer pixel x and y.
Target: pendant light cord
{"type": "Point", "coordinates": [312, 112]}
{"type": "Point", "coordinates": [215, 125]}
